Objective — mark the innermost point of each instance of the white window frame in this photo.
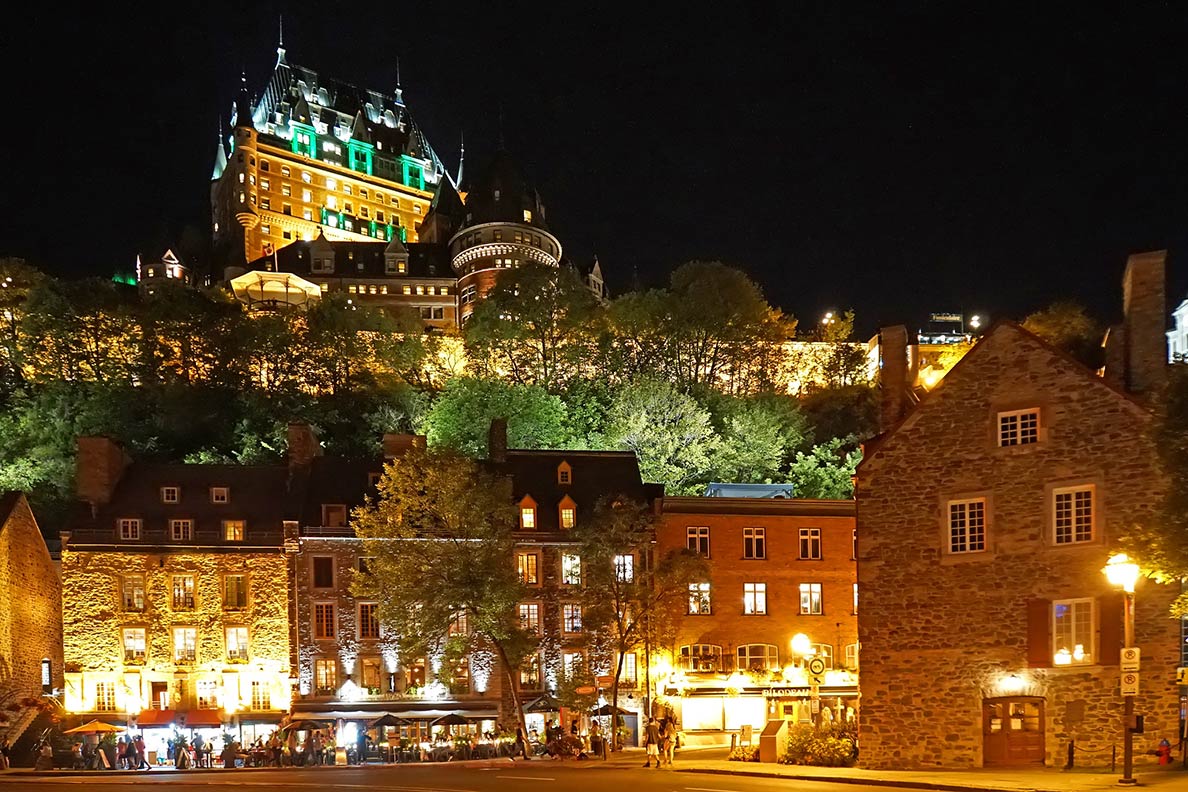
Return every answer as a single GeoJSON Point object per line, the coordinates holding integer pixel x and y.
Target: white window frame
{"type": "Point", "coordinates": [181, 529]}
{"type": "Point", "coordinates": [755, 599]}
{"type": "Point", "coordinates": [755, 542]}
{"type": "Point", "coordinates": [242, 648]}
{"type": "Point", "coordinates": [170, 494]}
{"type": "Point", "coordinates": [128, 585]}
{"type": "Point", "coordinates": [571, 618]}
{"type": "Point", "coordinates": [185, 652]}
{"type": "Point", "coordinates": [186, 593]}
{"type": "Point", "coordinates": [1073, 524]}
{"type": "Point", "coordinates": [694, 536]}
{"type": "Point", "coordinates": [810, 544]}
{"type": "Point", "coordinates": [138, 635]}
{"type": "Point", "coordinates": [625, 567]}
{"type": "Point", "coordinates": [571, 569]}
{"type": "Point", "coordinates": [748, 656]}
{"type": "Point", "coordinates": [812, 599]}
{"type": "Point", "coordinates": [1064, 647]}
{"type": "Point", "coordinates": [129, 529]}
{"type": "Point", "coordinates": [221, 495]}
{"type": "Point", "coordinates": [700, 599]}
{"type": "Point", "coordinates": [967, 526]}
{"type": "Point", "coordinates": [1018, 427]}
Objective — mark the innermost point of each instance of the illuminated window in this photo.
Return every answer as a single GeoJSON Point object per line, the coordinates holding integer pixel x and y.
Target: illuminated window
{"type": "Point", "coordinates": [170, 494]}
{"type": "Point", "coordinates": [235, 593]}
{"type": "Point", "coordinates": [1072, 632]}
{"type": "Point", "coordinates": [810, 599]}
{"type": "Point", "coordinates": [369, 620]}
{"type": "Point", "coordinates": [755, 542]}
{"type": "Point", "coordinates": [420, 289]}
{"type": "Point", "coordinates": [526, 568]}
{"type": "Point", "coordinates": [332, 201]}
{"type": "Point", "coordinates": [445, 290]}
{"type": "Point", "coordinates": [460, 625]}
{"type": "Point", "coordinates": [384, 289]}
{"type": "Point", "coordinates": [699, 599]}
{"type": "Point", "coordinates": [372, 673]}
{"type": "Point", "coordinates": [758, 657]}
{"type": "Point", "coordinates": [697, 539]}
{"type": "Point", "coordinates": [306, 177]}
{"type": "Point", "coordinates": [261, 698]}
{"type": "Point", "coordinates": [469, 294]}
{"type": "Point", "coordinates": [265, 203]}
{"type": "Point", "coordinates": [133, 644]}
{"type": "Point", "coordinates": [132, 592]}
{"type": "Point", "coordinates": [265, 184]}
{"type": "Point", "coordinates": [571, 617]}
{"type": "Point", "coordinates": [967, 526]}
{"type": "Point", "coordinates": [1072, 515]}
{"type": "Point", "coordinates": [701, 657]}
{"type": "Point", "coordinates": [527, 216]}
{"type": "Point", "coordinates": [825, 652]}
{"type": "Point", "coordinates": [234, 530]}
{"type": "Point", "coordinates": [1018, 427]}
{"type": "Point", "coordinates": [530, 673]}
{"type": "Point", "coordinates": [181, 530]}
{"type": "Point", "coordinates": [527, 517]}
{"type": "Point", "coordinates": [307, 196]}
{"type": "Point", "coordinates": [324, 626]}
{"type": "Point", "coordinates": [372, 289]}
{"type": "Point", "coordinates": [572, 663]}
{"type": "Point", "coordinates": [855, 598]}
{"type": "Point", "coordinates": [568, 516]}
{"type": "Point", "coordinates": [324, 287]}
{"type": "Point", "coordinates": [237, 643]}
{"type": "Point", "coordinates": [810, 544]}
{"type": "Point", "coordinates": [754, 599]}
{"type": "Point", "coordinates": [625, 568]}
{"type": "Point", "coordinates": [183, 592]}
{"type": "Point", "coordinates": [571, 569]}
{"type": "Point", "coordinates": [105, 700]}
{"type": "Point", "coordinates": [323, 572]}
{"type": "Point", "coordinates": [206, 691]}
{"type": "Point", "coordinates": [630, 668]}
{"type": "Point", "coordinates": [406, 289]}
{"type": "Point", "coordinates": [285, 170]}
{"type": "Point", "coordinates": [325, 676]}
{"type": "Point", "coordinates": [286, 190]}
{"type": "Point", "coordinates": [498, 236]}
{"type": "Point", "coordinates": [331, 184]}
{"type": "Point", "coordinates": [530, 616]}
{"type": "Point", "coordinates": [185, 644]}
{"type": "Point", "coordinates": [129, 529]}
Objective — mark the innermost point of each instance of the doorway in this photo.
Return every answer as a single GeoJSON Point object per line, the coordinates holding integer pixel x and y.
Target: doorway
{"type": "Point", "coordinates": [1013, 731]}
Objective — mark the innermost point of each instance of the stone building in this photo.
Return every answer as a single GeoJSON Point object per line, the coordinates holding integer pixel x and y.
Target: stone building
{"type": "Point", "coordinates": [778, 567]}
{"type": "Point", "coordinates": [30, 615]}
{"type": "Point", "coordinates": [985, 514]}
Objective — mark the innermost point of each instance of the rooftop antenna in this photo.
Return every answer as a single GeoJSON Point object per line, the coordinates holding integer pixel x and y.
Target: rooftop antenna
{"type": "Point", "coordinates": [280, 44]}
{"type": "Point", "coordinates": [399, 89]}
{"type": "Point", "coordinates": [461, 157]}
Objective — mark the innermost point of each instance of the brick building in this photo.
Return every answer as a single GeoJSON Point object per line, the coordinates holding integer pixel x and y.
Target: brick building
{"type": "Point", "coordinates": [30, 613]}
{"type": "Point", "coordinates": [985, 514]}
{"type": "Point", "coordinates": [778, 567]}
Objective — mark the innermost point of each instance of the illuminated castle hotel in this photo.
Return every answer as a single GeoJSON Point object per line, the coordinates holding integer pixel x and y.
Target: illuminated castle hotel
{"type": "Point", "coordinates": [326, 187]}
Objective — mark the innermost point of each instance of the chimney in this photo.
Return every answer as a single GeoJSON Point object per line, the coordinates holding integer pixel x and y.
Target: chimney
{"type": "Point", "coordinates": [893, 375]}
{"type": "Point", "coordinates": [1144, 315]}
{"type": "Point", "coordinates": [396, 444]}
{"type": "Point", "coordinates": [1114, 344]}
{"type": "Point", "coordinates": [497, 440]}
{"type": "Point", "coordinates": [97, 469]}
{"type": "Point", "coordinates": [303, 445]}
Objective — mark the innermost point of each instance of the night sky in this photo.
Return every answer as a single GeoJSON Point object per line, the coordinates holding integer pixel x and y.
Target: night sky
{"type": "Point", "coordinates": [902, 160]}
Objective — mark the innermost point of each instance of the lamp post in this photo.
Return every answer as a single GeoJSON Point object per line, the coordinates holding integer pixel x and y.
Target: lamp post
{"type": "Point", "coordinates": [1123, 572]}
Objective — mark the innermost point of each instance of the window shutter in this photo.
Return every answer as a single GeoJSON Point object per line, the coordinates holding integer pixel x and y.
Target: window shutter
{"type": "Point", "coordinates": [1039, 633]}
{"type": "Point", "coordinates": [1111, 635]}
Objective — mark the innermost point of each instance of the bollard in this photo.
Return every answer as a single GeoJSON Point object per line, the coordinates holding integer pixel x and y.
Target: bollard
{"type": "Point", "coordinates": [1071, 748]}
{"type": "Point", "coordinates": [1113, 758]}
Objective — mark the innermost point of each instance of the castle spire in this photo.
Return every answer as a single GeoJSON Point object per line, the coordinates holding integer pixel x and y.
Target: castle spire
{"type": "Point", "coordinates": [220, 164]}
{"type": "Point", "coordinates": [280, 42]}
{"type": "Point", "coordinates": [243, 103]}
{"type": "Point", "coordinates": [461, 158]}
{"type": "Point", "coordinates": [399, 89]}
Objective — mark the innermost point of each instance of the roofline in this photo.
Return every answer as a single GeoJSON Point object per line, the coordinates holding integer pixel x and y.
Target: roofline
{"type": "Point", "coordinates": [793, 507]}
{"type": "Point", "coordinates": [567, 452]}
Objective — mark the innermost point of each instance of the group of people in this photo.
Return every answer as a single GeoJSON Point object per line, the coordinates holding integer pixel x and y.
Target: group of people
{"type": "Point", "coordinates": [660, 738]}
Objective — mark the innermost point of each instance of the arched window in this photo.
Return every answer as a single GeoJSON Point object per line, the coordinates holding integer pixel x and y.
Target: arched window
{"type": "Point", "coordinates": [758, 657]}
{"type": "Point", "coordinates": [701, 657]}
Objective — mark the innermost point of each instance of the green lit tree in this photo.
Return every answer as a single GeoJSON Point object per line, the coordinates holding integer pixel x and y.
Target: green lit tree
{"type": "Point", "coordinates": [1067, 324]}
{"type": "Point", "coordinates": [827, 471]}
{"type": "Point", "coordinates": [461, 414]}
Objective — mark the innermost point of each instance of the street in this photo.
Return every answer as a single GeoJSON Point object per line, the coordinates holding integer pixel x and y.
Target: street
{"type": "Point", "coordinates": [436, 778]}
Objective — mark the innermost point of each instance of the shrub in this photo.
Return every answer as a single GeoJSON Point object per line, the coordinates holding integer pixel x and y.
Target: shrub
{"type": "Point", "coordinates": [744, 753]}
{"type": "Point", "coordinates": [828, 746]}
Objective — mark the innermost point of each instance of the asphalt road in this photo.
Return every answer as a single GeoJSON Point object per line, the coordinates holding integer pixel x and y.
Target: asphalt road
{"type": "Point", "coordinates": [434, 778]}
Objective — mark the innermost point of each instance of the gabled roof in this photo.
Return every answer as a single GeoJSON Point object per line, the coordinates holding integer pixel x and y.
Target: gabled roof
{"type": "Point", "coordinates": [425, 260]}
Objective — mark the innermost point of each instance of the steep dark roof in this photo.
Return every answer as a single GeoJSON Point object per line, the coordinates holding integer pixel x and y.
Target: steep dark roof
{"type": "Point", "coordinates": [425, 260]}
{"type": "Point", "coordinates": [515, 194]}
{"type": "Point", "coordinates": [336, 480]}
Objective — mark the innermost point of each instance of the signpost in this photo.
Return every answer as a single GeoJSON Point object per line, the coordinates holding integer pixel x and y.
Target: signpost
{"type": "Point", "coordinates": [815, 671]}
{"type": "Point", "coordinates": [1131, 656]}
{"type": "Point", "coordinates": [1130, 683]}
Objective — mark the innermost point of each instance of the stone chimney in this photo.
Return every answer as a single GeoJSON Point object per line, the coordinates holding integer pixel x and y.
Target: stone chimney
{"type": "Point", "coordinates": [497, 440]}
{"type": "Point", "coordinates": [396, 444]}
{"type": "Point", "coordinates": [303, 445]}
{"type": "Point", "coordinates": [98, 465]}
{"type": "Point", "coordinates": [1144, 317]}
{"type": "Point", "coordinates": [894, 384]}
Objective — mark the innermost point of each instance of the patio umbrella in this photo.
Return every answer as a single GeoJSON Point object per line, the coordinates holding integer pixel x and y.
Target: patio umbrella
{"type": "Point", "coordinates": [94, 727]}
{"type": "Point", "coordinates": [306, 725]}
{"type": "Point", "coordinates": [544, 704]}
{"type": "Point", "coordinates": [388, 719]}
{"type": "Point", "coordinates": [606, 709]}
{"type": "Point", "coordinates": [453, 719]}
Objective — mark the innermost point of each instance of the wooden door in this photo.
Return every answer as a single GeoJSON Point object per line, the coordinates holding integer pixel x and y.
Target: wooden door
{"type": "Point", "coordinates": [1013, 731]}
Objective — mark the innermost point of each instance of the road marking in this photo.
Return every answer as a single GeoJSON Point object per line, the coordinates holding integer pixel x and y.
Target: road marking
{"type": "Point", "coordinates": [528, 778]}
{"type": "Point", "coordinates": [709, 789]}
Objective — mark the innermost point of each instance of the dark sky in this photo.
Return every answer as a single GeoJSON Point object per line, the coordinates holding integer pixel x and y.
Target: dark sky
{"type": "Point", "coordinates": [897, 160]}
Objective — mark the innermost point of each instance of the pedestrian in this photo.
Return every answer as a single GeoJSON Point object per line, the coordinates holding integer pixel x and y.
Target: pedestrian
{"type": "Point", "coordinates": [652, 742]}
{"type": "Point", "coordinates": [291, 747]}
{"type": "Point", "coordinates": [199, 746]}
{"type": "Point", "coordinates": [521, 745]}
{"type": "Point", "coordinates": [5, 752]}
{"type": "Point", "coordinates": [668, 741]}
{"type": "Point", "coordinates": [141, 762]}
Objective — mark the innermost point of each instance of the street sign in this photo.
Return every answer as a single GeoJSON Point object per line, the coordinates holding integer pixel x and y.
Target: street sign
{"type": "Point", "coordinates": [605, 680]}
{"type": "Point", "coordinates": [1182, 675]}
{"type": "Point", "coordinates": [1130, 683]}
{"type": "Point", "coordinates": [1131, 655]}
{"type": "Point", "coordinates": [584, 690]}
{"type": "Point", "coordinates": [816, 666]}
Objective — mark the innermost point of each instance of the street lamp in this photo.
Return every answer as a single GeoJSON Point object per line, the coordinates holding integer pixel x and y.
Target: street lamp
{"type": "Point", "coordinates": [802, 645]}
{"type": "Point", "coordinates": [1123, 572]}
{"type": "Point", "coordinates": [975, 321]}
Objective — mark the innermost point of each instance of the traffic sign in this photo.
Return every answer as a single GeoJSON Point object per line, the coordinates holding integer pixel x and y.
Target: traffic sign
{"type": "Point", "coordinates": [815, 669]}
{"type": "Point", "coordinates": [584, 690]}
{"type": "Point", "coordinates": [1182, 675]}
{"type": "Point", "coordinates": [1130, 683]}
{"type": "Point", "coordinates": [1131, 655]}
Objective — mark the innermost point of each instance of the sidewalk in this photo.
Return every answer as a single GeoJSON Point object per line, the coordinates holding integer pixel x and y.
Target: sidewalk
{"type": "Point", "coordinates": [1041, 779]}
{"type": "Point", "coordinates": [171, 770]}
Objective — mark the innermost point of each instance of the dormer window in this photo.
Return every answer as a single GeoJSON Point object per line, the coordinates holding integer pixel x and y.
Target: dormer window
{"type": "Point", "coordinates": [1018, 427]}
{"type": "Point", "coordinates": [527, 215]}
{"type": "Point", "coordinates": [567, 513]}
{"type": "Point", "coordinates": [170, 494]}
{"type": "Point", "coordinates": [527, 514]}
{"type": "Point", "coordinates": [220, 495]}
{"type": "Point", "coordinates": [564, 473]}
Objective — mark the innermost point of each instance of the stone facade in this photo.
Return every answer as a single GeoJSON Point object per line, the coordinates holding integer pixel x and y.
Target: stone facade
{"type": "Point", "coordinates": [948, 628]}
{"type": "Point", "coordinates": [30, 611]}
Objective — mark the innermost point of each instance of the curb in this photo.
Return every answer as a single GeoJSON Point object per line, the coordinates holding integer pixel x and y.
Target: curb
{"type": "Point", "coordinates": [880, 782]}
{"type": "Point", "coordinates": [167, 771]}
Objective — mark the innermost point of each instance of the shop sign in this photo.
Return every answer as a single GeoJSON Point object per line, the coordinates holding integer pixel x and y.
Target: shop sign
{"type": "Point", "coordinates": [787, 692]}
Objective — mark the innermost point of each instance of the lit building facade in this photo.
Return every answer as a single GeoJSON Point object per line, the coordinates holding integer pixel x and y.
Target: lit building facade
{"type": "Point", "coordinates": [778, 567]}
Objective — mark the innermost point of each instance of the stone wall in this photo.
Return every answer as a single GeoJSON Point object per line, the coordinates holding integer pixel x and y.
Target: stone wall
{"type": "Point", "coordinates": [940, 632]}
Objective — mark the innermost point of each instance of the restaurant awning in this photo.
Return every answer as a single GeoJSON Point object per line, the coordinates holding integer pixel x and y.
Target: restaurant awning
{"type": "Point", "coordinates": [413, 715]}
{"type": "Point", "coordinates": [203, 719]}
{"type": "Point", "coordinates": [155, 717]}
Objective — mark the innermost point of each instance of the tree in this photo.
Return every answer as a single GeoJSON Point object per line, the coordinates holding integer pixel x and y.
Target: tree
{"type": "Point", "coordinates": [17, 282]}
{"type": "Point", "coordinates": [668, 430]}
{"type": "Point", "coordinates": [461, 414]}
{"type": "Point", "coordinates": [825, 472]}
{"type": "Point", "coordinates": [851, 412]}
{"type": "Point", "coordinates": [440, 539]}
{"type": "Point", "coordinates": [758, 436]}
{"type": "Point", "coordinates": [1068, 325]}
{"type": "Point", "coordinates": [623, 586]}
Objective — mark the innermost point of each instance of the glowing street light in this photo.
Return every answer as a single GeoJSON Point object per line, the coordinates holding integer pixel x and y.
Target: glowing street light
{"type": "Point", "coordinates": [1124, 573]}
{"type": "Point", "coordinates": [975, 321]}
{"type": "Point", "coordinates": [802, 645]}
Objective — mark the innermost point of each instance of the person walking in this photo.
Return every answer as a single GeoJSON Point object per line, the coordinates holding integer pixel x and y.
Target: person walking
{"type": "Point", "coordinates": [291, 746]}
{"type": "Point", "coordinates": [668, 738]}
{"type": "Point", "coordinates": [652, 742]}
{"type": "Point", "coordinates": [141, 762]}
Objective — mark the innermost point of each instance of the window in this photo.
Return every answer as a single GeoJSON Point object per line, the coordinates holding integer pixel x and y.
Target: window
{"type": "Point", "coordinates": [129, 529]}
{"type": "Point", "coordinates": [324, 620]}
{"type": "Point", "coordinates": [754, 599]}
{"type": "Point", "coordinates": [1018, 427]}
{"type": "Point", "coordinates": [571, 569]}
{"type": "Point", "coordinates": [625, 568]}
{"type": "Point", "coordinates": [181, 530]}
{"type": "Point", "coordinates": [855, 599]}
{"type": "Point", "coordinates": [697, 539]}
{"type": "Point", "coordinates": [699, 599]}
{"type": "Point", "coordinates": [572, 662]}
{"type": "Point", "coordinates": [170, 494]}
{"type": "Point", "coordinates": [758, 657]}
{"type": "Point", "coordinates": [185, 642]}
{"type": "Point", "coordinates": [261, 700]}
{"type": "Point", "coordinates": [498, 236]}
{"type": "Point", "coordinates": [530, 673]}
{"type": "Point", "coordinates": [306, 196]}
{"type": "Point", "coordinates": [460, 625]}
{"type": "Point", "coordinates": [852, 655]}
{"type": "Point", "coordinates": [285, 170]}
{"type": "Point", "coordinates": [323, 572]}
{"type": "Point", "coordinates": [1072, 632]}
{"type": "Point", "coordinates": [105, 700]}
{"type": "Point", "coordinates": [133, 644]}
{"type": "Point", "coordinates": [206, 691]}
{"type": "Point", "coordinates": [530, 616]}
{"type": "Point", "coordinates": [701, 657]}
{"type": "Point", "coordinates": [1072, 515]}
{"type": "Point", "coordinates": [564, 473]}
{"type": "Point", "coordinates": [220, 494]}
{"type": "Point", "coordinates": [754, 543]}
{"type": "Point", "coordinates": [133, 592]}
{"type": "Point", "coordinates": [571, 618]}
{"type": "Point", "coordinates": [237, 643]}
{"type": "Point", "coordinates": [568, 516]}
{"type": "Point", "coordinates": [825, 652]}
{"type": "Point", "coordinates": [527, 215]}
{"type": "Point", "coordinates": [234, 592]}
{"type": "Point", "coordinates": [332, 201]}
{"type": "Point", "coordinates": [630, 669]}
{"type": "Point", "coordinates": [305, 177]}
{"type": "Point", "coordinates": [810, 599]}
{"type": "Point", "coordinates": [372, 674]}
{"type": "Point", "coordinates": [810, 544]}
{"type": "Point", "coordinates": [183, 592]}
{"type": "Point", "coordinates": [527, 517]}
{"type": "Point", "coordinates": [368, 620]}
{"type": "Point", "coordinates": [526, 568]}
{"type": "Point", "coordinates": [967, 526]}
{"type": "Point", "coordinates": [325, 677]}
{"type": "Point", "coordinates": [854, 546]}
{"type": "Point", "coordinates": [234, 530]}
{"type": "Point", "coordinates": [287, 191]}
{"type": "Point", "coordinates": [469, 294]}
